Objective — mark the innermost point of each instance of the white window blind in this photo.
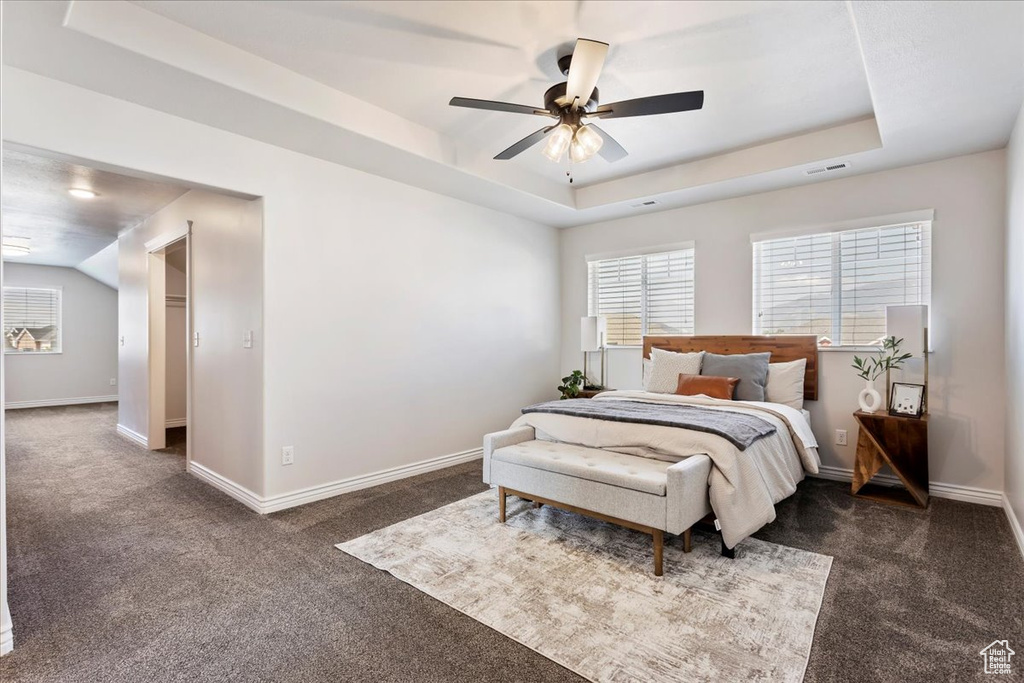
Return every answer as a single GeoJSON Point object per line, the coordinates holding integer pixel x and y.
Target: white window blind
{"type": "Point", "coordinates": [837, 285]}
{"type": "Point", "coordinates": [31, 320]}
{"type": "Point", "coordinates": [644, 294]}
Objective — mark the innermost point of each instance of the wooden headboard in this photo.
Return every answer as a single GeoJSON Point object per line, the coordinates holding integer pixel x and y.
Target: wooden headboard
{"type": "Point", "coordinates": [782, 348]}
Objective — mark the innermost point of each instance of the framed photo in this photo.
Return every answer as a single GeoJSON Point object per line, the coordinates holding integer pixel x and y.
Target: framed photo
{"type": "Point", "coordinates": [906, 399]}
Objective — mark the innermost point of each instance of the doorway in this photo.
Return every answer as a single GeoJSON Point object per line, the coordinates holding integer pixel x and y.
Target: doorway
{"type": "Point", "coordinates": [170, 333]}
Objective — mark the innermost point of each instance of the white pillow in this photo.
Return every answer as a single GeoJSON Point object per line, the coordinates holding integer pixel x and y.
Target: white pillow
{"type": "Point", "coordinates": [665, 368]}
{"type": "Point", "coordinates": [786, 383]}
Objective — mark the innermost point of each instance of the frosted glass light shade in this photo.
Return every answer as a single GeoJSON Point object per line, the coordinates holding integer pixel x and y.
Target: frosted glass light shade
{"type": "Point", "coordinates": [558, 142]}
{"type": "Point", "coordinates": [590, 140]}
{"type": "Point", "coordinates": [593, 330]}
{"type": "Point", "coordinates": [908, 323]}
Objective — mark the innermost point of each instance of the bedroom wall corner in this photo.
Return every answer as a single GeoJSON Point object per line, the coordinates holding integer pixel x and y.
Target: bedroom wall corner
{"type": "Point", "coordinates": [1014, 486]}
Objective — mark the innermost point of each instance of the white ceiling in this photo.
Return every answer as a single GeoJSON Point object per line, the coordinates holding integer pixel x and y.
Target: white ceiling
{"type": "Point", "coordinates": [788, 85]}
{"type": "Point", "coordinates": [769, 70]}
{"type": "Point", "coordinates": [64, 230]}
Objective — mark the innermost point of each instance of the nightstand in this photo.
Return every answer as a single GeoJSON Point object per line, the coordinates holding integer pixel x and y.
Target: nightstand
{"type": "Point", "coordinates": [591, 393]}
{"type": "Point", "coordinates": [902, 444]}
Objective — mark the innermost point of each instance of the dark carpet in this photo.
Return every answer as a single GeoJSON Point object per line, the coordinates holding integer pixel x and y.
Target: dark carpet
{"type": "Point", "coordinates": [125, 568]}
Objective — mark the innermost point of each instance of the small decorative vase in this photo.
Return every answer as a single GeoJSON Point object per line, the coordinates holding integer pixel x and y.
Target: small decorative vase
{"type": "Point", "coordinates": [869, 399]}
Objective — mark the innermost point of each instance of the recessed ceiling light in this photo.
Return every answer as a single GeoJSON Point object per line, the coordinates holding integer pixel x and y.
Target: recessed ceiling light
{"type": "Point", "coordinates": [16, 246]}
{"type": "Point", "coordinates": [81, 193]}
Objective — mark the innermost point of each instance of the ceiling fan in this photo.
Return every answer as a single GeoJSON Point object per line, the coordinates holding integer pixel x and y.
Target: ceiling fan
{"type": "Point", "coordinates": [575, 102]}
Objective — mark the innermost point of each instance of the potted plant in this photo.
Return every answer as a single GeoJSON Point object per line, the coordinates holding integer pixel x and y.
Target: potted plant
{"type": "Point", "coordinates": [869, 369]}
{"type": "Point", "coordinates": [571, 385]}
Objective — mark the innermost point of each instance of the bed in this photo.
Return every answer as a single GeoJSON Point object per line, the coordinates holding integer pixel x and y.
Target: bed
{"type": "Point", "coordinates": [660, 462]}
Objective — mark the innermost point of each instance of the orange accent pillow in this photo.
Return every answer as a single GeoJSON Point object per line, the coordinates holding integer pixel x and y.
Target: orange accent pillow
{"type": "Point", "coordinates": [708, 385]}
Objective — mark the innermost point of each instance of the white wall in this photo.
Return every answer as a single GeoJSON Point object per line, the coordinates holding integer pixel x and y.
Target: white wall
{"type": "Point", "coordinates": [88, 360]}
{"type": "Point", "coordinates": [400, 325]}
{"type": "Point", "coordinates": [1015, 323]}
{"type": "Point", "coordinates": [227, 401]}
{"type": "Point", "coordinates": [966, 432]}
{"type": "Point", "coordinates": [175, 403]}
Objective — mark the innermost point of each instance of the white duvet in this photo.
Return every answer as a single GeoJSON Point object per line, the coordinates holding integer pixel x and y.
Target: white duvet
{"type": "Point", "coordinates": [744, 485]}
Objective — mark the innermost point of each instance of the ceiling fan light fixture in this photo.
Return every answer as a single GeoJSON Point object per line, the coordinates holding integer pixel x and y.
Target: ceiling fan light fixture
{"type": "Point", "coordinates": [590, 140]}
{"type": "Point", "coordinates": [577, 152]}
{"type": "Point", "coordinates": [558, 142]}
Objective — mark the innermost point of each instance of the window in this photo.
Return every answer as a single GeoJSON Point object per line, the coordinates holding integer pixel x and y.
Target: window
{"type": "Point", "coordinates": [31, 320]}
{"type": "Point", "coordinates": [643, 294]}
{"type": "Point", "coordinates": [836, 285]}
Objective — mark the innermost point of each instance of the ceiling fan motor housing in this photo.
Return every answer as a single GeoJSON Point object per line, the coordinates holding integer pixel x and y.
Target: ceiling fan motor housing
{"type": "Point", "coordinates": [554, 99]}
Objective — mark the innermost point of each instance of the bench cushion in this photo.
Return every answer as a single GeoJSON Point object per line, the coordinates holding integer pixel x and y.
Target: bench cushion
{"type": "Point", "coordinates": [626, 471]}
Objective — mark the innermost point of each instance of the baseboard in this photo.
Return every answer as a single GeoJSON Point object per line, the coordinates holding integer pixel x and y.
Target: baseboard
{"type": "Point", "coordinates": [315, 493]}
{"type": "Point", "coordinates": [178, 422]}
{"type": "Point", "coordinates": [236, 491]}
{"type": "Point", "coordinates": [1018, 533]}
{"type": "Point", "coordinates": [132, 435]}
{"type": "Point", "coordinates": [967, 494]}
{"type": "Point", "coordinates": [6, 639]}
{"type": "Point", "coordinates": [46, 403]}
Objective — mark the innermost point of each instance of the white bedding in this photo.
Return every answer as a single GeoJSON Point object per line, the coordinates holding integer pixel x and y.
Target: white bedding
{"type": "Point", "coordinates": [744, 485]}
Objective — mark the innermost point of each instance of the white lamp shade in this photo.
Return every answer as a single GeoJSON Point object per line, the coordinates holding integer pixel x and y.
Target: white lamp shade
{"type": "Point", "coordinates": [593, 329]}
{"type": "Point", "coordinates": [908, 323]}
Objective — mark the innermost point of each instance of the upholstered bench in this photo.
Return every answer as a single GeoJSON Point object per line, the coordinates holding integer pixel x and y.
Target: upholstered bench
{"type": "Point", "coordinates": [640, 493]}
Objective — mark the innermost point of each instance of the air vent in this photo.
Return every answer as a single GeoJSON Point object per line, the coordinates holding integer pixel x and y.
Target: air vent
{"type": "Point", "coordinates": [649, 202]}
{"type": "Point", "coordinates": [831, 168]}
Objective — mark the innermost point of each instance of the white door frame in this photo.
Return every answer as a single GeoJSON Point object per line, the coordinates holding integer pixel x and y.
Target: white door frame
{"type": "Point", "coordinates": [156, 437]}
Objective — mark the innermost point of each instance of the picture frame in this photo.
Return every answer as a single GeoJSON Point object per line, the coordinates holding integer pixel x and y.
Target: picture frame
{"type": "Point", "coordinates": [906, 400]}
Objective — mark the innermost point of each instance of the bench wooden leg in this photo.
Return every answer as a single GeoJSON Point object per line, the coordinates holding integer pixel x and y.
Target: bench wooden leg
{"type": "Point", "coordinates": [537, 504]}
{"type": "Point", "coordinates": [501, 504]}
{"type": "Point", "coordinates": [687, 539]}
{"type": "Point", "coordinates": [659, 542]}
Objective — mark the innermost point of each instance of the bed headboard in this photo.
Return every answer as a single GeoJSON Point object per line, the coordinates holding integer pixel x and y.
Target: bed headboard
{"type": "Point", "coordinates": [783, 349]}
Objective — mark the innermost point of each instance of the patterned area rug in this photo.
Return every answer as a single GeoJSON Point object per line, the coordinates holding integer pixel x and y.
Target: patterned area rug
{"type": "Point", "coordinates": [583, 592]}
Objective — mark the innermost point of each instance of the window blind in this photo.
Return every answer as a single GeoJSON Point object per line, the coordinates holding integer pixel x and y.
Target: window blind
{"type": "Point", "coordinates": [837, 285]}
{"type": "Point", "coordinates": [31, 319]}
{"type": "Point", "coordinates": [643, 294]}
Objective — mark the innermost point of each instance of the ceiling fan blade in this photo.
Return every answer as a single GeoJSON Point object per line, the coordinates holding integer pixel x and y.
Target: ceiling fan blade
{"type": "Point", "coordinates": [646, 106]}
{"type": "Point", "coordinates": [585, 68]}
{"type": "Point", "coordinates": [525, 144]}
{"type": "Point", "coordinates": [491, 105]}
{"type": "Point", "coordinates": [611, 150]}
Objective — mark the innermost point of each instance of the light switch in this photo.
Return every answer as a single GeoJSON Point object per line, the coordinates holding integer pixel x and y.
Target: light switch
{"type": "Point", "coordinates": [247, 340]}
{"type": "Point", "coordinates": [195, 339]}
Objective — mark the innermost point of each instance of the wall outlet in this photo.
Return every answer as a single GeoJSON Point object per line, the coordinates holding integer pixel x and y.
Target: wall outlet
{"type": "Point", "coordinates": [113, 381]}
{"type": "Point", "coordinates": [840, 437]}
{"type": "Point", "coordinates": [288, 455]}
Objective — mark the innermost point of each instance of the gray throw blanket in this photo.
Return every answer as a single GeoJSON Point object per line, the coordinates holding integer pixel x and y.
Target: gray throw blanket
{"type": "Point", "coordinates": [739, 429]}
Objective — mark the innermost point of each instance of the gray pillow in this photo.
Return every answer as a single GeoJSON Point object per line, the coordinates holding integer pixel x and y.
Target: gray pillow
{"type": "Point", "coordinates": [751, 368]}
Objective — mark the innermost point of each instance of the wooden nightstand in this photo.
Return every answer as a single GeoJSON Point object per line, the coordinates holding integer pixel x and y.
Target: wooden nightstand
{"type": "Point", "coordinates": [902, 444]}
{"type": "Point", "coordinates": [591, 393]}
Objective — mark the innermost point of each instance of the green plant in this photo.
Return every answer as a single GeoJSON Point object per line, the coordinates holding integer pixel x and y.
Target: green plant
{"type": "Point", "coordinates": [887, 358]}
{"type": "Point", "coordinates": [571, 385]}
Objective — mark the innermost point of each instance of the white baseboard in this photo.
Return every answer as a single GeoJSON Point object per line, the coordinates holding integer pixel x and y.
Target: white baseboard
{"type": "Point", "coordinates": [967, 494]}
{"type": "Point", "coordinates": [1018, 533]}
{"type": "Point", "coordinates": [177, 422]}
{"type": "Point", "coordinates": [46, 403]}
{"type": "Point", "coordinates": [6, 639]}
{"type": "Point", "coordinates": [132, 435]}
{"type": "Point", "coordinates": [315, 493]}
{"type": "Point", "coordinates": [236, 491]}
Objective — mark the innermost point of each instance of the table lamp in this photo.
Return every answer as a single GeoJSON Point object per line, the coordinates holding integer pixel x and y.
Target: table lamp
{"type": "Point", "coordinates": [593, 330]}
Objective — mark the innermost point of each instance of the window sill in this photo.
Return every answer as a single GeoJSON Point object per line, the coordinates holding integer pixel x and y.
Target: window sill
{"type": "Point", "coordinates": [33, 353]}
